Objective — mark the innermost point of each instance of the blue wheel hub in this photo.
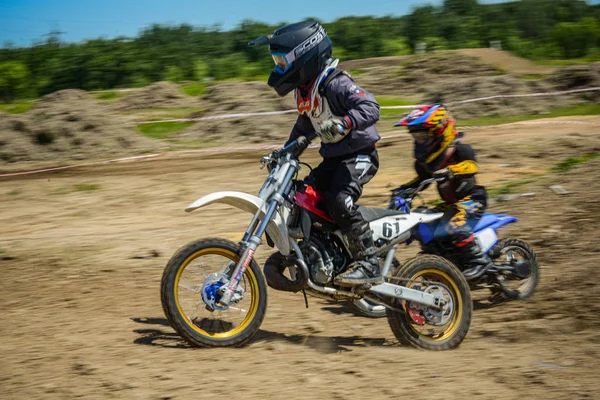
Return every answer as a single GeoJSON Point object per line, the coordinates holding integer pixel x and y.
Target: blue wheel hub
{"type": "Point", "coordinates": [211, 294]}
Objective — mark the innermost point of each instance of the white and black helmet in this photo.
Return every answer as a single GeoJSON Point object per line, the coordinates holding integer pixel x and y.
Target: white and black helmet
{"type": "Point", "coordinates": [300, 51]}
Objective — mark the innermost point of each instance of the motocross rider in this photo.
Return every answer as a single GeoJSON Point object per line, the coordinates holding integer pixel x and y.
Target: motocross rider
{"type": "Point", "coordinates": [342, 114]}
{"type": "Point", "coordinates": [438, 153]}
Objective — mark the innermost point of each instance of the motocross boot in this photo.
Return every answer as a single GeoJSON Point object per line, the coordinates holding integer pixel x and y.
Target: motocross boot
{"type": "Point", "coordinates": [365, 267]}
{"type": "Point", "coordinates": [475, 261]}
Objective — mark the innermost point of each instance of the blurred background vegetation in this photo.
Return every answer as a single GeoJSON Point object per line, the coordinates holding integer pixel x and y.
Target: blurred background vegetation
{"type": "Point", "coordinates": [550, 31]}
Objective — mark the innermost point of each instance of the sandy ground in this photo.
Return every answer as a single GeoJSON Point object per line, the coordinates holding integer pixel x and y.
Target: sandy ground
{"type": "Point", "coordinates": [81, 317]}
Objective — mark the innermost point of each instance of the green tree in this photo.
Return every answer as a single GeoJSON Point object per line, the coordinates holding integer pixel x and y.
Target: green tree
{"type": "Point", "coordinates": [173, 74]}
{"type": "Point", "coordinates": [201, 70]}
{"type": "Point", "coordinates": [461, 7]}
{"type": "Point", "coordinates": [575, 39]}
{"type": "Point", "coordinates": [13, 80]}
{"type": "Point", "coordinates": [396, 47]}
{"type": "Point", "coordinates": [421, 23]}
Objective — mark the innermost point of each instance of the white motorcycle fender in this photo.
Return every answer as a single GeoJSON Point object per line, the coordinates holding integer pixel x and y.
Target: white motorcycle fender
{"type": "Point", "coordinates": [276, 229]}
{"type": "Point", "coordinates": [389, 228]}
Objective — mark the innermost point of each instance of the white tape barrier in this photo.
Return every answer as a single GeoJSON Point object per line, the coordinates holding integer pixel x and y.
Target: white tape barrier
{"type": "Point", "coordinates": [257, 114]}
{"type": "Point", "coordinates": [268, 147]}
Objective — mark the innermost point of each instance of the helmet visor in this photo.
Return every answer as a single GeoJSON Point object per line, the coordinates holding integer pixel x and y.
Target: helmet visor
{"type": "Point", "coordinates": [282, 64]}
{"type": "Point", "coordinates": [420, 136]}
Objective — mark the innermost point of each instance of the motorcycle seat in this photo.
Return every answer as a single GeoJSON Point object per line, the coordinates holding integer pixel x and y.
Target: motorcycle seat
{"type": "Point", "coordinates": [371, 214]}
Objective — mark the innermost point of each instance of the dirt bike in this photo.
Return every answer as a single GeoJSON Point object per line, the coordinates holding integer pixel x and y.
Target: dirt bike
{"type": "Point", "coordinates": [515, 274]}
{"type": "Point", "coordinates": [214, 294]}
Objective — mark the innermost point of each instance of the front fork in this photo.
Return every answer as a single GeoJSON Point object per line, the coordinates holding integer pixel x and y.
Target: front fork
{"type": "Point", "coordinates": [252, 239]}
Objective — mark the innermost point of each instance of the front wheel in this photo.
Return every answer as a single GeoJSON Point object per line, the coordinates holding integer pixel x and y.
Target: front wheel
{"type": "Point", "coordinates": [428, 328]}
{"type": "Point", "coordinates": [191, 281]}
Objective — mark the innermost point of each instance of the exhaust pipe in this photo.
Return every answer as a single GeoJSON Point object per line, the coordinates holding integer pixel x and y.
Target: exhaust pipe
{"type": "Point", "coordinates": [276, 265]}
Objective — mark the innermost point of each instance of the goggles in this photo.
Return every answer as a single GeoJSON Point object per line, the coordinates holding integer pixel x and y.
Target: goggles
{"type": "Point", "coordinates": [420, 136]}
{"type": "Point", "coordinates": [282, 64]}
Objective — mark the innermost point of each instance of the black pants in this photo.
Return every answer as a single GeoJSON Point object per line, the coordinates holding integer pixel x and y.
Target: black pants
{"type": "Point", "coordinates": [460, 218]}
{"type": "Point", "coordinates": [341, 180]}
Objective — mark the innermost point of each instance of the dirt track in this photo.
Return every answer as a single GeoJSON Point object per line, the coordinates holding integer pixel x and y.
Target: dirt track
{"type": "Point", "coordinates": [82, 318]}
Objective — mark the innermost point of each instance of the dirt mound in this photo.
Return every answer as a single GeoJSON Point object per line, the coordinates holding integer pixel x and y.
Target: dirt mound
{"type": "Point", "coordinates": [497, 59]}
{"type": "Point", "coordinates": [242, 97]}
{"type": "Point", "coordinates": [577, 76]}
{"type": "Point", "coordinates": [412, 75]}
{"type": "Point", "coordinates": [156, 95]}
{"type": "Point", "coordinates": [448, 63]}
{"type": "Point", "coordinates": [68, 97]}
{"type": "Point", "coordinates": [450, 78]}
{"type": "Point", "coordinates": [366, 63]}
{"type": "Point", "coordinates": [272, 129]}
{"type": "Point", "coordinates": [459, 89]}
{"type": "Point", "coordinates": [239, 98]}
{"type": "Point", "coordinates": [67, 125]}
{"type": "Point", "coordinates": [506, 61]}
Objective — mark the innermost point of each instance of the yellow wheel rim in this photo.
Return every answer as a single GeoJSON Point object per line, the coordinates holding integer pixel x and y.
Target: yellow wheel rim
{"type": "Point", "coordinates": [249, 275]}
{"type": "Point", "coordinates": [452, 325]}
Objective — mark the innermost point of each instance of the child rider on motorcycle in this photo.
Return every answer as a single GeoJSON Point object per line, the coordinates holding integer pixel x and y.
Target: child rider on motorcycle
{"type": "Point", "coordinates": [332, 106]}
{"type": "Point", "coordinates": [438, 153]}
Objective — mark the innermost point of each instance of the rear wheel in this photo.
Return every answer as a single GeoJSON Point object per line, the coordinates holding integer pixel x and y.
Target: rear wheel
{"type": "Point", "coordinates": [191, 281]}
{"type": "Point", "coordinates": [510, 251]}
{"type": "Point", "coordinates": [427, 328]}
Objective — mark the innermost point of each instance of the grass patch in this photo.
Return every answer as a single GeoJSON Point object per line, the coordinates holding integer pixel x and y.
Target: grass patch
{"type": "Point", "coordinates": [159, 130]}
{"type": "Point", "coordinates": [157, 114]}
{"type": "Point", "coordinates": [569, 163]}
{"type": "Point", "coordinates": [393, 101]}
{"type": "Point", "coordinates": [586, 109]}
{"type": "Point", "coordinates": [510, 187]}
{"type": "Point", "coordinates": [572, 61]}
{"type": "Point", "coordinates": [193, 89]}
{"type": "Point", "coordinates": [17, 108]}
{"type": "Point", "coordinates": [14, 192]}
{"type": "Point", "coordinates": [87, 187]}
{"type": "Point", "coordinates": [385, 101]}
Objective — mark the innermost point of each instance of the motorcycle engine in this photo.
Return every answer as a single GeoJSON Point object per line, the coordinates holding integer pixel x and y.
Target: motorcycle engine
{"type": "Point", "coordinates": [320, 271]}
{"type": "Point", "coordinates": [323, 260]}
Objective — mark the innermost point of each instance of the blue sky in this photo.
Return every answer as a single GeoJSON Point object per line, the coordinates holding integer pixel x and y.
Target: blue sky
{"type": "Point", "coordinates": [23, 21]}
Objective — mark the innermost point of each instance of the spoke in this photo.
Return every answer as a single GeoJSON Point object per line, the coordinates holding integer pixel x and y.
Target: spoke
{"type": "Point", "coordinates": [192, 287]}
{"type": "Point", "coordinates": [509, 255]}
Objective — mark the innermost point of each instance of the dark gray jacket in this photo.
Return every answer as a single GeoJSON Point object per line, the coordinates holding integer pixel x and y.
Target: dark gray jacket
{"type": "Point", "coordinates": [345, 97]}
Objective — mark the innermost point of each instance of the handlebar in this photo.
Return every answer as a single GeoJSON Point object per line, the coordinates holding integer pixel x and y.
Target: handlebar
{"type": "Point", "coordinates": [294, 148]}
{"type": "Point", "coordinates": [421, 186]}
